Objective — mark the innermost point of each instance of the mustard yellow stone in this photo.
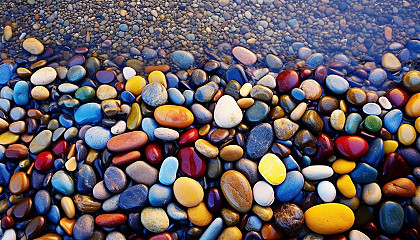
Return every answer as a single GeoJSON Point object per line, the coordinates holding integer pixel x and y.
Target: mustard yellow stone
{"type": "Point", "coordinates": [346, 187]}
{"type": "Point", "coordinates": [390, 146]}
{"type": "Point", "coordinates": [272, 169]}
{"type": "Point", "coordinates": [406, 134]}
{"type": "Point", "coordinates": [230, 233]}
{"type": "Point", "coordinates": [265, 213]}
{"type": "Point", "coordinates": [200, 215]}
{"type": "Point", "coordinates": [329, 218]}
{"type": "Point", "coordinates": [135, 85]}
{"type": "Point", "coordinates": [8, 138]}
{"type": "Point", "coordinates": [412, 108]}
{"type": "Point", "coordinates": [417, 124]}
{"type": "Point", "coordinates": [342, 166]}
{"type": "Point", "coordinates": [135, 117]}
{"type": "Point", "coordinates": [188, 192]}
{"type": "Point", "coordinates": [158, 76]}
{"type": "Point", "coordinates": [67, 224]}
{"type": "Point", "coordinates": [68, 207]}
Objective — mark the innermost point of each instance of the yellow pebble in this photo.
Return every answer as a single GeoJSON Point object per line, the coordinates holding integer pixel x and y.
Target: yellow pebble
{"type": "Point", "coordinates": [188, 192]}
{"type": "Point", "coordinates": [265, 213]}
{"type": "Point", "coordinates": [40, 93]}
{"type": "Point", "coordinates": [71, 164]}
{"type": "Point", "coordinates": [92, 156]}
{"type": "Point", "coordinates": [245, 102]}
{"type": "Point", "coordinates": [68, 207]}
{"type": "Point", "coordinates": [230, 233]}
{"type": "Point", "coordinates": [338, 119]}
{"type": "Point", "coordinates": [406, 134]}
{"type": "Point", "coordinates": [346, 187]}
{"type": "Point", "coordinates": [135, 117]}
{"type": "Point", "coordinates": [329, 218]}
{"type": "Point", "coordinates": [67, 224]}
{"type": "Point", "coordinates": [272, 169]}
{"type": "Point", "coordinates": [417, 124]}
{"type": "Point", "coordinates": [158, 76]}
{"type": "Point", "coordinates": [342, 166]}
{"type": "Point", "coordinates": [135, 85]}
{"type": "Point", "coordinates": [200, 215]}
{"type": "Point", "coordinates": [245, 89]}
{"type": "Point", "coordinates": [8, 138]}
{"type": "Point", "coordinates": [390, 146]}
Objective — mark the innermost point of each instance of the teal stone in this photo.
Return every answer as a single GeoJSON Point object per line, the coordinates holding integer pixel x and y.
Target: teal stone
{"type": "Point", "coordinates": [257, 112]}
{"type": "Point", "coordinates": [375, 154]}
{"type": "Point", "coordinates": [392, 120]}
{"type": "Point", "coordinates": [363, 173]}
{"type": "Point", "coordinates": [352, 123]}
{"type": "Point", "coordinates": [88, 113]}
{"type": "Point", "coordinates": [298, 94]}
{"type": "Point", "coordinates": [391, 217]}
{"type": "Point", "coordinates": [85, 94]}
{"type": "Point", "coordinates": [76, 73]}
{"type": "Point", "coordinates": [373, 123]}
{"type": "Point", "coordinates": [21, 93]}
{"type": "Point", "coordinates": [63, 183]}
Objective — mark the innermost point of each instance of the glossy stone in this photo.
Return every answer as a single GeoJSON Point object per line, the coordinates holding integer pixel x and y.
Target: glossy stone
{"type": "Point", "coordinates": [188, 191]}
{"type": "Point", "coordinates": [289, 218]}
{"type": "Point", "coordinates": [394, 167]}
{"type": "Point", "coordinates": [287, 80]}
{"type": "Point", "coordinates": [115, 179]}
{"type": "Point", "coordinates": [19, 182]}
{"type": "Point", "coordinates": [351, 147]}
{"type": "Point", "coordinates": [324, 148]}
{"type": "Point", "coordinates": [191, 163]}
{"type": "Point", "coordinates": [391, 217]}
{"type": "Point", "coordinates": [23, 208]}
{"type": "Point", "coordinates": [412, 108]}
{"type": "Point", "coordinates": [237, 191]}
{"type": "Point", "coordinates": [411, 81]}
{"type": "Point", "coordinates": [35, 227]}
{"type": "Point", "coordinates": [127, 141]}
{"type": "Point", "coordinates": [63, 183]}
{"type": "Point", "coordinates": [399, 188]}
{"type": "Point", "coordinates": [329, 218]}
{"type": "Point", "coordinates": [173, 116]}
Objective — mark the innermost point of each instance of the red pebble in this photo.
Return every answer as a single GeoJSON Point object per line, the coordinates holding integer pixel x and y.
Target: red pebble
{"type": "Point", "coordinates": [394, 167]}
{"type": "Point", "coordinates": [320, 73]}
{"type": "Point", "coordinates": [60, 148]}
{"type": "Point", "coordinates": [119, 86]}
{"type": "Point", "coordinates": [305, 73]}
{"type": "Point", "coordinates": [126, 158]}
{"type": "Point", "coordinates": [287, 80]}
{"type": "Point", "coordinates": [397, 97]}
{"type": "Point", "coordinates": [324, 148]}
{"type": "Point", "coordinates": [110, 219]}
{"type": "Point", "coordinates": [351, 147]}
{"type": "Point", "coordinates": [191, 163]}
{"type": "Point", "coordinates": [369, 229]}
{"type": "Point", "coordinates": [7, 222]}
{"type": "Point", "coordinates": [44, 161]}
{"type": "Point", "coordinates": [162, 236]}
{"type": "Point", "coordinates": [188, 137]}
{"type": "Point", "coordinates": [153, 153]}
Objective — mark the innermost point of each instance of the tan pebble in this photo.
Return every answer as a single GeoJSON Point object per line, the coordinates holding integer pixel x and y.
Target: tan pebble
{"type": "Point", "coordinates": [311, 88]}
{"type": "Point", "coordinates": [265, 213]}
{"type": "Point", "coordinates": [229, 216]}
{"type": "Point", "coordinates": [297, 113]}
{"type": "Point", "coordinates": [338, 119]}
{"type": "Point", "coordinates": [68, 207]}
{"type": "Point", "coordinates": [105, 92]}
{"type": "Point", "coordinates": [275, 100]}
{"type": "Point", "coordinates": [71, 164]}
{"type": "Point", "coordinates": [245, 89]}
{"type": "Point", "coordinates": [18, 127]}
{"type": "Point", "coordinates": [40, 93]}
{"type": "Point", "coordinates": [245, 102]}
{"type": "Point", "coordinates": [343, 106]}
{"type": "Point", "coordinates": [231, 153]}
{"type": "Point", "coordinates": [230, 233]}
{"type": "Point", "coordinates": [206, 148]}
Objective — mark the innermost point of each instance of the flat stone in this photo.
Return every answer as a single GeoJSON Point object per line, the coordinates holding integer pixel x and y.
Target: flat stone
{"type": "Point", "coordinates": [244, 55]}
{"type": "Point", "coordinates": [141, 172]}
{"type": "Point", "coordinates": [259, 140]}
{"type": "Point", "coordinates": [44, 76]}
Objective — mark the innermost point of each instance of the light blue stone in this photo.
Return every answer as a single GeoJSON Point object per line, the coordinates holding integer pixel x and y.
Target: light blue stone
{"type": "Point", "coordinates": [6, 72]}
{"type": "Point", "coordinates": [213, 230]}
{"type": "Point", "coordinates": [76, 73]}
{"type": "Point", "coordinates": [123, 27]}
{"type": "Point", "coordinates": [189, 97]}
{"type": "Point", "coordinates": [291, 186]}
{"type": "Point", "coordinates": [298, 94]}
{"type": "Point", "coordinates": [88, 113]}
{"type": "Point", "coordinates": [160, 195]}
{"type": "Point", "coordinates": [175, 96]}
{"type": "Point", "coordinates": [314, 60]}
{"type": "Point", "coordinates": [392, 120]}
{"type": "Point", "coordinates": [363, 173]}
{"type": "Point", "coordinates": [7, 93]}
{"type": "Point", "coordinates": [21, 93]}
{"type": "Point", "coordinates": [391, 217]}
{"type": "Point", "coordinates": [172, 80]}
{"type": "Point", "coordinates": [54, 215]}
{"type": "Point", "coordinates": [63, 183]}
{"type": "Point", "coordinates": [97, 137]}
{"type": "Point", "coordinates": [375, 154]}
{"type": "Point", "coordinates": [182, 59]}
{"type": "Point", "coordinates": [352, 123]}
{"type": "Point", "coordinates": [254, 223]}
{"type": "Point", "coordinates": [42, 201]}
{"type": "Point", "coordinates": [176, 212]}
{"type": "Point", "coordinates": [168, 169]}
{"type": "Point", "coordinates": [149, 125]}
{"type": "Point", "coordinates": [111, 204]}
{"type": "Point", "coordinates": [337, 84]}
{"type": "Point", "coordinates": [4, 175]}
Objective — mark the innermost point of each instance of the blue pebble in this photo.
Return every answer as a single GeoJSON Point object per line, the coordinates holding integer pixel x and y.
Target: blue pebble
{"type": "Point", "coordinates": [291, 163]}
{"type": "Point", "coordinates": [7, 93]}
{"type": "Point", "coordinates": [54, 214]}
{"type": "Point", "coordinates": [65, 121]}
{"type": "Point", "coordinates": [175, 96]}
{"type": "Point", "coordinates": [306, 161]}
{"type": "Point", "coordinates": [392, 120]}
{"type": "Point", "coordinates": [4, 175]}
{"type": "Point", "coordinates": [97, 137]}
{"type": "Point", "coordinates": [391, 217]}
{"type": "Point", "coordinates": [127, 97]}
{"type": "Point", "coordinates": [363, 173]}
{"type": "Point", "coordinates": [352, 123]}
{"type": "Point", "coordinates": [286, 143]}
{"type": "Point", "coordinates": [291, 186]}
{"type": "Point", "coordinates": [59, 164]}
{"type": "Point", "coordinates": [123, 27]}
{"type": "Point", "coordinates": [86, 179]}
{"type": "Point", "coordinates": [410, 155]}
{"type": "Point", "coordinates": [168, 169]}
{"type": "Point", "coordinates": [337, 84]}
{"type": "Point", "coordinates": [410, 216]}
{"type": "Point", "coordinates": [60, 231]}
{"type": "Point", "coordinates": [298, 94]}
{"type": "Point", "coordinates": [149, 125]}
{"type": "Point", "coordinates": [63, 183]}
{"type": "Point", "coordinates": [6, 72]}
{"type": "Point", "coordinates": [42, 202]}
{"type": "Point", "coordinates": [254, 223]}
{"type": "Point", "coordinates": [314, 60]}
{"type": "Point", "coordinates": [213, 230]}
{"type": "Point", "coordinates": [189, 97]}
{"type": "Point", "coordinates": [172, 80]}
{"type": "Point", "coordinates": [375, 154]}
{"type": "Point", "coordinates": [182, 59]}
{"type": "Point", "coordinates": [21, 93]}
{"type": "Point", "coordinates": [88, 113]}
{"type": "Point", "coordinates": [160, 195]}
{"type": "Point", "coordinates": [299, 198]}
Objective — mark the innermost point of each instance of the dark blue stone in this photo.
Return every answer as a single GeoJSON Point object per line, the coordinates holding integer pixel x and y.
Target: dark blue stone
{"type": "Point", "coordinates": [410, 216]}
{"type": "Point", "coordinates": [54, 214]}
{"type": "Point", "coordinates": [363, 173]}
{"type": "Point", "coordinates": [4, 175]}
{"type": "Point", "coordinates": [134, 198]}
{"type": "Point", "coordinates": [236, 72]}
{"type": "Point", "coordinates": [86, 179]}
{"type": "Point", "coordinates": [65, 121]}
{"type": "Point", "coordinates": [42, 202]}
{"type": "Point", "coordinates": [259, 140]}
{"type": "Point", "coordinates": [410, 155]}
{"type": "Point", "coordinates": [291, 163]}
{"type": "Point", "coordinates": [375, 154]}
{"type": "Point", "coordinates": [127, 97]}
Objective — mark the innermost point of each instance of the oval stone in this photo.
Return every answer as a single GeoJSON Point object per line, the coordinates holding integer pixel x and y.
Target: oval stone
{"type": "Point", "coordinates": [287, 80]}
{"type": "Point", "coordinates": [127, 141]}
{"type": "Point", "coordinates": [391, 217]}
{"type": "Point", "coordinates": [173, 116]}
{"type": "Point", "coordinates": [227, 113]}
{"type": "Point", "coordinates": [188, 192]}
{"type": "Point", "coordinates": [237, 191]}
{"type": "Point", "coordinates": [351, 147]}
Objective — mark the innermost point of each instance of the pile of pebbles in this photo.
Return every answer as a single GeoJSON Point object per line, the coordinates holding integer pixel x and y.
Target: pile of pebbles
{"type": "Point", "coordinates": [206, 150]}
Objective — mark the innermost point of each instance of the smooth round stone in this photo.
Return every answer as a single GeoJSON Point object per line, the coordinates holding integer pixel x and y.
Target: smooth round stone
{"type": "Point", "coordinates": [173, 116]}
{"type": "Point", "coordinates": [392, 120]}
{"type": "Point", "coordinates": [289, 218]}
{"type": "Point", "coordinates": [412, 108]}
{"type": "Point", "coordinates": [175, 96]}
{"type": "Point", "coordinates": [76, 73]}
{"type": "Point", "coordinates": [115, 179]}
{"type": "Point", "coordinates": [166, 134]}
{"type": "Point", "coordinates": [84, 227]}
{"type": "Point", "coordinates": [352, 123]}
{"type": "Point", "coordinates": [206, 93]}
{"type": "Point", "coordinates": [68, 207]}
{"type": "Point", "coordinates": [63, 183]}
{"type": "Point", "coordinates": [391, 217]}
{"type": "Point", "coordinates": [399, 188]}
{"type": "Point", "coordinates": [149, 125]}
{"type": "Point", "coordinates": [23, 208]}
{"type": "Point", "coordinates": [346, 187]}
{"type": "Point", "coordinates": [285, 128]}
{"type": "Point", "coordinates": [397, 97]}
{"type": "Point", "coordinates": [311, 88]}
{"type": "Point", "coordinates": [19, 182]}
{"type": "Point", "coordinates": [134, 197]}
{"type": "Point", "coordinates": [411, 81]}
{"type": "Point", "coordinates": [206, 148]}
{"type": "Point", "coordinates": [9, 234]}
{"type": "Point", "coordinates": [363, 173]}
{"type": "Point", "coordinates": [154, 219]}
{"type": "Point", "coordinates": [231, 153]}
{"type": "Point", "coordinates": [329, 218]}
{"type": "Point", "coordinates": [337, 84]}
{"type": "Point", "coordinates": [89, 113]}
{"type": "Point", "coordinates": [54, 214]}
{"type": "Point", "coordinates": [338, 119]}
{"type": "Point", "coordinates": [259, 140]}
{"type": "Point", "coordinates": [127, 141]}
{"type": "Point", "coordinates": [85, 93]}
{"type": "Point", "coordinates": [35, 227]}
{"type": "Point", "coordinates": [6, 72]}
{"type": "Point", "coordinates": [377, 76]}
{"type": "Point", "coordinates": [263, 193]}
{"type": "Point", "coordinates": [16, 151]}
{"type": "Point", "coordinates": [168, 170]}
{"type": "Point", "coordinates": [154, 94]}
{"type": "Point", "coordinates": [406, 134]}
{"type": "Point", "coordinates": [86, 179]}
{"type": "Point", "coordinates": [391, 62]}
{"type": "Point", "coordinates": [100, 191]}
{"type": "Point", "coordinates": [257, 112]}
{"type": "Point", "coordinates": [262, 93]}
{"type": "Point", "coordinates": [97, 137]}
{"type": "Point", "coordinates": [175, 212]}
{"type": "Point", "coordinates": [40, 142]}
{"type": "Point", "coordinates": [188, 192]}
{"type": "Point", "coordinates": [237, 191]}
{"type": "Point", "coordinates": [106, 76]}
{"type": "Point", "coordinates": [327, 104]}
{"type": "Point", "coordinates": [4, 175]}
{"type": "Point", "coordinates": [267, 81]}
{"type": "Point", "coordinates": [21, 93]}
{"type": "Point", "coordinates": [191, 163]}
{"type": "Point", "coordinates": [314, 60]}
{"type": "Point", "coordinates": [33, 46]}
{"type": "Point", "coordinates": [106, 92]}
{"type": "Point", "coordinates": [272, 169]}
{"type": "Point", "coordinates": [291, 186]}
{"type": "Point", "coordinates": [351, 147]}
{"type": "Point", "coordinates": [213, 200]}
{"type": "Point", "coordinates": [356, 96]}
{"type": "Point", "coordinates": [287, 80]}
{"type": "Point", "coordinates": [394, 167]}
{"type": "Point", "coordinates": [40, 93]}
{"type": "Point", "coordinates": [115, 236]}
{"type": "Point", "coordinates": [110, 219]}
{"type": "Point", "coordinates": [160, 195]}
{"type": "Point", "coordinates": [135, 85]}
{"type": "Point", "coordinates": [390, 146]}
{"type": "Point", "coordinates": [273, 62]}
{"type": "Point", "coordinates": [357, 235]}
{"type": "Point", "coordinates": [244, 55]}
{"type": "Point", "coordinates": [375, 154]}
{"type": "Point", "coordinates": [8, 138]}
{"type": "Point", "coordinates": [42, 202]}
{"type": "Point", "coordinates": [373, 123]}
{"type": "Point", "coordinates": [141, 172]}
{"type": "Point", "coordinates": [128, 72]}
{"type": "Point", "coordinates": [372, 109]}
{"type": "Point", "coordinates": [200, 215]}
{"type": "Point", "coordinates": [371, 194]}
{"type": "Point", "coordinates": [227, 113]}
{"type": "Point", "coordinates": [182, 59]}
{"type": "Point", "coordinates": [201, 114]}
{"type": "Point", "coordinates": [317, 172]}
{"type": "Point", "coordinates": [326, 191]}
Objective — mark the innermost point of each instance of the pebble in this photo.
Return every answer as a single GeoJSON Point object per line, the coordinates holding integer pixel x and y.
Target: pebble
{"type": "Point", "coordinates": [326, 191]}
{"type": "Point", "coordinates": [154, 219]}
{"type": "Point", "coordinates": [377, 76]}
{"type": "Point", "coordinates": [272, 169]}
{"type": "Point", "coordinates": [33, 46]}
{"type": "Point", "coordinates": [63, 183]}
{"type": "Point", "coordinates": [141, 172]}
{"type": "Point", "coordinates": [188, 192]}
{"type": "Point", "coordinates": [285, 128]}
{"type": "Point", "coordinates": [97, 137]}
{"type": "Point", "coordinates": [44, 76]}
{"type": "Point", "coordinates": [154, 94]}
{"type": "Point", "coordinates": [134, 197]}
{"type": "Point", "coordinates": [237, 190]}
{"type": "Point", "coordinates": [89, 113]}
{"type": "Point", "coordinates": [244, 55]}
{"type": "Point", "coordinates": [263, 193]}
{"type": "Point", "coordinates": [289, 218]}
{"type": "Point", "coordinates": [115, 179]}
{"type": "Point", "coordinates": [84, 227]}
{"type": "Point", "coordinates": [127, 141]}
{"type": "Point", "coordinates": [337, 84]}
{"type": "Point", "coordinates": [182, 59]}
{"type": "Point", "coordinates": [173, 116]}
{"type": "Point", "coordinates": [391, 217]}
{"type": "Point", "coordinates": [273, 62]}
{"type": "Point", "coordinates": [259, 140]}
{"type": "Point", "coordinates": [317, 172]}
{"type": "Point", "coordinates": [290, 187]}
{"type": "Point", "coordinates": [227, 113]}
{"type": "Point", "coordinates": [329, 218]}
{"type": "Point", "coordinates": [391, 62]}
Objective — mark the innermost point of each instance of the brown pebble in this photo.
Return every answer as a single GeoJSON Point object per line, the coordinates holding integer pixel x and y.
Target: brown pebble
{"type": "Point", "coordinates": [231, 153]}
{"type": "Point", "coordinates": [19, 182]}
{"type": "Point", "coordinates": [16, 151]}
{"type": "Point", "coordinates": [237, 191]}
{"type": "Point", "coordinates": [401, 187]}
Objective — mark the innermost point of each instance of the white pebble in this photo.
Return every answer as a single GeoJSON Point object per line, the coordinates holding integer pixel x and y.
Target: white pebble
{"type": "Point", "coordinates": [128, 72]}
{"type": "Point", "coordinates": [263, 193]}
{"type": "Point", "coordinates": [326, 191]}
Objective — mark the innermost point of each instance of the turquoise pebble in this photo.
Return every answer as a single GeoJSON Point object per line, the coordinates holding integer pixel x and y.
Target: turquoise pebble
{"type": "Point", "coordinates": [298, 94]}
{"type": "Point", "coordinates": [306, 161]}
{"type": "Point", "coordinates": [352, 123]}
{"type": "Point", "coordinates": [6, 72]}
{"type": "Point", "coordinates": [392, 120]}
{"type": "Point", "coordinates": [76, 73]}
{"type": "Point", "coordinates": [168, 169]}
{"type": "Point", "coordinates": [97, 137]}
{"type": "Point", "coordinates": [363, 173]}
{"type": "Point", "coordinates": [149, 125]}
{"type": "Point", "coordinates": [63, 183]}
{"type": "Point", "coordinates": [160, 195]}
{"type": "Point", "coordinates": [391, 217]}
{"type": "Point", "coordinates": [292, 185]}
{"type": "Point", "coordinates": [175, 96]}
{"type": "Point", "coordinates": [21, 93]}
{"type": "Point", "coordinates": [375, 154]}
{"type": "Point", "coordinates": [88, 113]}
{"type": "Point", "coordinates": [257, 112]}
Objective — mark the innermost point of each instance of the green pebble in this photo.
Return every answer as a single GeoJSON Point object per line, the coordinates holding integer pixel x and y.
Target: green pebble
{"type": "Point", "coordinates": [85, 94]}
{"type": "Point", "coordinates": [373, 123]}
